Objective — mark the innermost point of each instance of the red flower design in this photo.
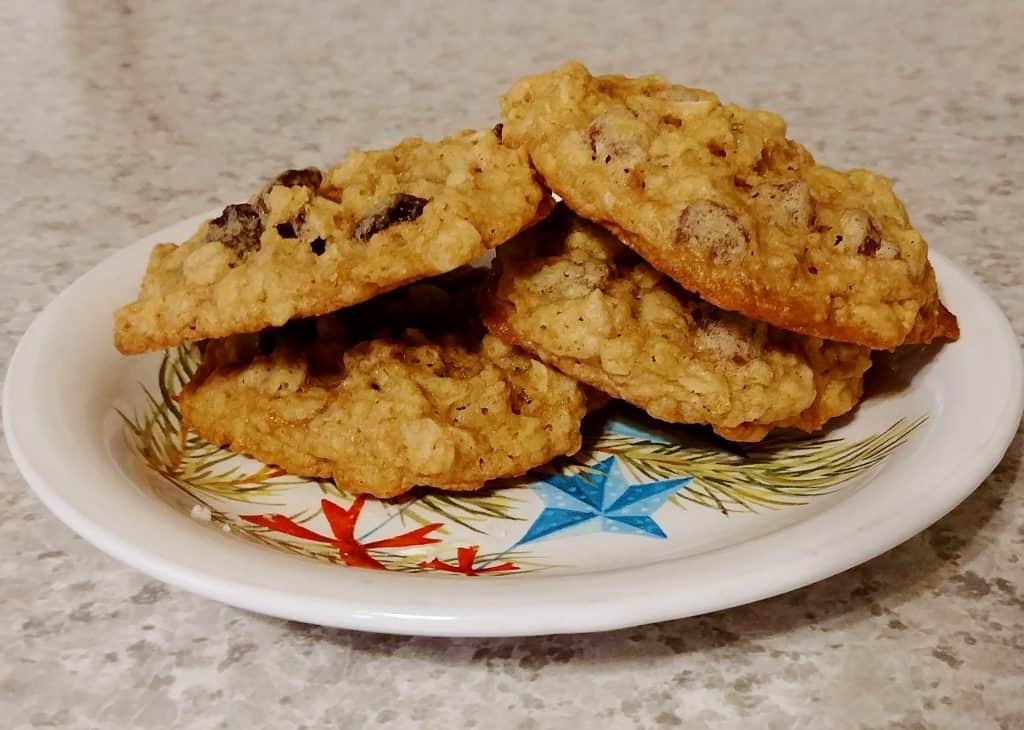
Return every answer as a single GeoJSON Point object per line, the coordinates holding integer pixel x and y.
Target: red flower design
{"type": "Point", "coordinates": [343, 523]}
{"type": "Point", "coordinates": [465, 560]}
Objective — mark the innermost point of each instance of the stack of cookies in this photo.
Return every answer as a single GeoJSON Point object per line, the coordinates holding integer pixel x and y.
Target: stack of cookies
{"type": "Point", "coordinates": [700, 266]}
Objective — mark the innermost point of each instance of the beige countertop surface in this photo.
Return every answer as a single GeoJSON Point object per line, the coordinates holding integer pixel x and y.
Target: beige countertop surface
{"type": "Point", "coordinates": [120, 118]}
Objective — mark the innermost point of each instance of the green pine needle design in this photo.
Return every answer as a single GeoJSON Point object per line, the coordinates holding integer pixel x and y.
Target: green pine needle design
{"type": "Point", "coordinates": [195, 466]}
{"type": "Point", "coordinates": [466, 510]}
{"type": "Point", "coordinates": [774, 474]}
{"type": "Point", "coordinates": [200, 468]}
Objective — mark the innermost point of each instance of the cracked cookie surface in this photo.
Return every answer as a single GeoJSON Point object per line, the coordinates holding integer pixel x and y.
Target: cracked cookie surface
{"type": "Point", "coordinates": [570, 292]}
{"type": "Point", "coordinates": [312, 242]}
{"type": "Point", "coordinates": [719, 199]}
{"type": "Point", "coordinates": [380, 408]}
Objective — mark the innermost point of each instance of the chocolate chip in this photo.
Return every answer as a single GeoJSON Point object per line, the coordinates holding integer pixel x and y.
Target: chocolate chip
{"type": "Point", "coordinates": [318, 245]}
{"type": "Point", "coordinates": [285, 230]}
{"type": "Point", "coordinates": [237, 228]}
{"type": "Point", "coordinates": [397, 208]}
{"type": "Point", "coordinates": [309, 177]}
{"type": "Point", "coordinates": [497, 130]}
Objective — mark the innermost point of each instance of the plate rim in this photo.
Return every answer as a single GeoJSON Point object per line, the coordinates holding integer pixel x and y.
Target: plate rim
{"type": "Point", "coordinates": [609, 611]}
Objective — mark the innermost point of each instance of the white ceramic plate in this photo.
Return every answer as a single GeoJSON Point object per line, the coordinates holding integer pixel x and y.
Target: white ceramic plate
{"type": "Point", "coordinates": [648, 523]}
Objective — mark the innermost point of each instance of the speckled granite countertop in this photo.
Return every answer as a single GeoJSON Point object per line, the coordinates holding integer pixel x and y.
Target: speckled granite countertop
{"type": "Point", "coordinates": [118, 121]}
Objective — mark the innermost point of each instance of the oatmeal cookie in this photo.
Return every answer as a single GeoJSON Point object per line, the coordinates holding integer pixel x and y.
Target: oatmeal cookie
{"type": "Point", "coordinates": [719, 199]}
{"type": "Point", "coordinates": [312, 242]}
{"type": "Point", "coordinates": [838, 383]}
{"type": "Point", "coordinates": [379, 409]}
{"type": "Point", "coordinates": [571, 293]}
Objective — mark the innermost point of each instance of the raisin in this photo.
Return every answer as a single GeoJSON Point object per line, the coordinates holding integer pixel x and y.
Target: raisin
{"type": "Point", "coordinates": [318, 245]}
{"type": "Point", "coordinates": [285, 230]}
{"type": "Point", "coordinates": [713, 230]}
{"type": "Point", "coordinates": [790, 203]}
{"type": "Point", "coordinates": [592, 133]}
{"type": "Point", "coordinates": [397, 208]}
{"type": "Point", "coordinates": [309, 177]}
{"type": "Point", "coordinates": [871, 243]}
{"type": "Point", "coordinates": [764, 162]}
{"type": "Point", "coordinates": [497, 130]}
{"type": "Point", "coordinates": [607, 144]}
{"type": "Point", "coordinates": [860, 233]}
{"type": "Point", "coordinates": [518, 400]}
{"type": "Point", "coordinates": [238, 228]}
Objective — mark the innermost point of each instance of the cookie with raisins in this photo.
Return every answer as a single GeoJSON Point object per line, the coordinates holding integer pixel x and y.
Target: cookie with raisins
{"type": "Point", "coordinates": [719, 199]}
{"type": "Point", "coordinates": [569, 292]}
{"type": "Point", "coordinates": [401, 391]}
{"type": "Point", "coordinates": [315, 241]}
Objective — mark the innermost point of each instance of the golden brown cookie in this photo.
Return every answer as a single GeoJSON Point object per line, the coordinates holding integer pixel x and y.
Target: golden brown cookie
{"type": "Point", "coordinates": [380, 410]}
{"type": "Point", "coordinates": [719, 199]}
{"type": "Point", "coordinates": [933, 322]}
{"type": "Point", "coordinates": [838, 383]}
{"type": "Point", "coordinates": [571, 293]}
{"type": "Point", "coordinates": [313, 242]}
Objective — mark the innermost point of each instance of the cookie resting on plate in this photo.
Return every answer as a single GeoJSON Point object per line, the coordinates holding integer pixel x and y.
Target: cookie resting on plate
{"type": "Point", "coordinates": [570, 292]}
{"type": "Point", "coordinates": [380, 409]}
{"type": "Point", "coordinates": [312, 242]}
{"type": "Point", "coordinates": [719, 199]}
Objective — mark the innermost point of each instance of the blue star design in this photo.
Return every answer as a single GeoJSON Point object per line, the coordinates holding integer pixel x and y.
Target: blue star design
{"type": "Point", "coordinates": [600, 501]}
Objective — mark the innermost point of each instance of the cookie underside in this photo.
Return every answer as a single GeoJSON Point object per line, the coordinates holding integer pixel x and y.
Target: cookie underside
{"type": "Point", "coordinates": [444, 406]}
